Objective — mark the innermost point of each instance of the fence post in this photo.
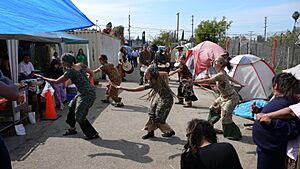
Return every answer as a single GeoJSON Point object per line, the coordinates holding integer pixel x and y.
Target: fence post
{"type": "Point", "coordinates": [274, 52]}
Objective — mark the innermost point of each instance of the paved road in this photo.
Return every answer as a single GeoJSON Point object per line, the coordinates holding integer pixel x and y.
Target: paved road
{"type": "Point", "coordinates": [121, 145]}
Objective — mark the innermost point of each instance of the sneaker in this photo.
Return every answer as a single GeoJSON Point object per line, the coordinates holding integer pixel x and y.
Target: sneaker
{"type": "Point", "coordinates": [70, 132]}
{"type": "Point", "coordinates": [119, 104]}
{"type": "Point", "coordinates": [148, 135]}
{"type": "Point", "coordinates": [93, 137]}
{"type": "Point", "coordinates": [105, 101]}
{"type": "Point", "coordinates": [172, 133]}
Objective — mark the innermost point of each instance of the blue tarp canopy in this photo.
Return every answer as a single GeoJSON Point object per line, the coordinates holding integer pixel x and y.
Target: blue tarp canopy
{"type": "Point", "coordinates": [48, 37]}
{"type": "Point", "coordinates": [31, 16]}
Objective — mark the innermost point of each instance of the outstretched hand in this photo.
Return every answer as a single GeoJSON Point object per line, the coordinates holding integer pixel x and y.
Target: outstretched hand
{"type": "Point", "coordinates": [38, 75]}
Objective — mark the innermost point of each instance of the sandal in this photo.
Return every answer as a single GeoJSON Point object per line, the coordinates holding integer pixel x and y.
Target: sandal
{"type": "Point", "coordinates": [70, 132]}
{"type": "Point", "coordinates": [93, 137]}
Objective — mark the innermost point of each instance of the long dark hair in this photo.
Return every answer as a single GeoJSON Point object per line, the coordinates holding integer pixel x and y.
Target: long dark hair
{"type": "Point", "coordinates": [198, 130]}
{"type": "Point", "coordinates": [287, 84]}
{"type": "Point", "coordinates": [159, 85]}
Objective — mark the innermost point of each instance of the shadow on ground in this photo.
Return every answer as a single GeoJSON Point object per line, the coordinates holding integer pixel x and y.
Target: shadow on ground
{"type": "Point", "coordinates": [20, 147]}
{"type": "Point", "coordinates": [129, 150]}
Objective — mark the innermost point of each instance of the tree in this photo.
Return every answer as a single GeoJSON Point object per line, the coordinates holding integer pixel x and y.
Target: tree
{"type": "Point", "coordinates": [164, 39]}
{"type": "Point", "coordinates": [212, 30]}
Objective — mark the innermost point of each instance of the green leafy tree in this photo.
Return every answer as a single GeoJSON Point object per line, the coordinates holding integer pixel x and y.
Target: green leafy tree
{"type": "Point", "coordinates": [164, 39]}
{"type": "Point", "coordinates": [212, 30]}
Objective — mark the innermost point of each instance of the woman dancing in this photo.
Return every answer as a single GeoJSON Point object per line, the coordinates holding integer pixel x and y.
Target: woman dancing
{"type": "Point", "coordinates": [228, 99]}
{"type": "Point", "coordinates": [81, 103]}
{"type": "Point", "coordinates": [161, 97]}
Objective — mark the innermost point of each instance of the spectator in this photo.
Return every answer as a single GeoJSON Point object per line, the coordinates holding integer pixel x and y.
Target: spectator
{"type": "Point", "coordinates": [25, 68]}
{"type": "Point", "coordinates": [60, 92]}
{"type": "Point", "coordinates": [202, 150]}
{"type": "Point", "coordinates": [271, 140]}
{"type": "Point", "coordinates": [108, 28]}
{"type": "Point", "coordinates": [144, 61]}
{"type": "Point", "coordinates": [135, 55]}
{"type": "Point", "coordinates": [80, 57]}
{"type": "Point", "coordinates": [293, 149]}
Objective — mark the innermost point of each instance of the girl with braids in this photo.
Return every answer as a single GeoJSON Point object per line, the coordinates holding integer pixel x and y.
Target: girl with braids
{"type": "Point", "coordinates": [203, 151]}
{"type": "Point", "coordinates": [226, 102]}
{"type": "Point", "coordinates": [161, 97]}
{"type": "Point", "coordinates": [81, 103]}
{"type": "Point", "coordinates": [271, 139]}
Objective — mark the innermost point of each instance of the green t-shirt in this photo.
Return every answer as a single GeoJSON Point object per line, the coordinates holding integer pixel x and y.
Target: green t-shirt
{"type": "Point", "coordinates": [81, 59]}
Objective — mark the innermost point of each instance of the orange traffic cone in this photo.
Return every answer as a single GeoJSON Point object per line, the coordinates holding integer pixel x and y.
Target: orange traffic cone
{"type": "Point", "coordinates": [50, 113]}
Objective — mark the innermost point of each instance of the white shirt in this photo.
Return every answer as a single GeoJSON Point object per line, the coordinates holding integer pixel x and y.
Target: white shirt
{"type": "Point", "coordinates": [26, 68]}
{"type": "Point", "coordinates": [293, 145]}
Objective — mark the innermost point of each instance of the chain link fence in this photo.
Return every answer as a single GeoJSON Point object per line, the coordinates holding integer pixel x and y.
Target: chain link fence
{"type": "Point", "coordinates": [281, 50]}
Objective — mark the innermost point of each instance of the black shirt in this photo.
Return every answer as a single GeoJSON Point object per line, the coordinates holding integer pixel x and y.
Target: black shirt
{"type": "Point", "coordinates": [213, 156]}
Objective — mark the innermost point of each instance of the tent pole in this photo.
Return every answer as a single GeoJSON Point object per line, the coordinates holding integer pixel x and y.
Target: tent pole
{"type": "Point", "coordinates": [88, 55]}
{"type": "Point", "coordinates": [12, 47]}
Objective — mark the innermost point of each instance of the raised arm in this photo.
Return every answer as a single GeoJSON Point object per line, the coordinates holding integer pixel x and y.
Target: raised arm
{"type": "Point", "coordinates": [235, 81]}
{"type": "Point", "coordinates": [205, 81]}
{"type": "Point", "coordinates": [174, 72]}
{"type": "Point", "coordinates": [61, 79]}
{"type": "Point", "coordinates": [137, 89]}
{"type": "Point", "coordinates": [97, 70]}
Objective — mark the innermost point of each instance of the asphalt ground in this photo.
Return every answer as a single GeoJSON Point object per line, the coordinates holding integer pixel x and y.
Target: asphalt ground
{"type": "Point", "coordinates": [120, 146]}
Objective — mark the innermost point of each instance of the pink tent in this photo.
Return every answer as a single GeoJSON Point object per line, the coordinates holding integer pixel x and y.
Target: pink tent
{"type": "Point", "coordinates": [203, 54]}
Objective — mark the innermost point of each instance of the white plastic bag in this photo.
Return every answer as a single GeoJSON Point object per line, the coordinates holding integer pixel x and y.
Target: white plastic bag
{"type": "Point", "coordinates": [31, 116]}
{"type": "Point", "coordinates": [20, 130]}
{"type": "Point", "coordinates": [46, 88]}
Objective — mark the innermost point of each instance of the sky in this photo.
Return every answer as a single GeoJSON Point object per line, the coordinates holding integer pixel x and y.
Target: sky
{"type": "Point", "coordinates": [154, 16]}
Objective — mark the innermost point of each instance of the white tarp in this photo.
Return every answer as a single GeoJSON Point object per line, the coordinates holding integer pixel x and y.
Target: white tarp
{"type": "Point", "coordinates": [255, 73]}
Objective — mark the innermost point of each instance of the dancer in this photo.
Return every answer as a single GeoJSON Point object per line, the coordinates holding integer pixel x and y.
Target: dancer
{"type": "Point", "coordinates": [115, 79]}
{"type": "Point", "coordinates": [228, 99]}
{"type": "Point", "coordinates": [203, 151]}
{"type": "Point", "coordinates": [185, 88]}
{"type": "Point", "coordinates": [161, 97]}
{"type": "Point", "coordinates": [81, 103]}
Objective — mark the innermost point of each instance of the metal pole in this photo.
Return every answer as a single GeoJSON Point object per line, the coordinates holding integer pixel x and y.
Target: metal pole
{"type": "Point", "coordinates": [129, 41]}
{"type": "Point", "coordinates": [265, 33]}
{"type": "Point", "coordinates": [177, 26]}
{"type": "Point", "coordinates": [293, 49]}
{"type": "Point", "coordinates": [192, 30]}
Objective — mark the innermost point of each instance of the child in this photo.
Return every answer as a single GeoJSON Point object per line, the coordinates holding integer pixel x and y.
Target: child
{"type": "Point", "coordinates": [161, 97]}
{"type": "Point", "coordinates": [185, 88]}
{"type": "Point", "coordinates": [115, 80]}
{"type": "Point", "coordinates": [271, 140]}
{"type": "Point", "coordinates": [226, 102]}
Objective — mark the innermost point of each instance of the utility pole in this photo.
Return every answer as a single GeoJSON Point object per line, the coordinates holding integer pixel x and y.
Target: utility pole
{"type": "Point", "coordinates": [265, 32]}
{"type": "Point", "coordinates": [192, 30]}
{"type": "Point", "coordinates": [129, 41]}
{"type": "Point", "coordinates": [249, 50]}
{"type": "Point", "coordinates": [177, 26]}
